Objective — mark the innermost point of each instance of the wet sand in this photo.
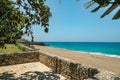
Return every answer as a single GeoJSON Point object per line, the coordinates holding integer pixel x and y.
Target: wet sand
{"type": "Point", "coordinates": [98, 61]}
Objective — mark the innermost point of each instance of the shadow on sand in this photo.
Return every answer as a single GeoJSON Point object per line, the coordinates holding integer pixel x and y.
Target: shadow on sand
{"type": "Point", "coordinates": [30, 76]}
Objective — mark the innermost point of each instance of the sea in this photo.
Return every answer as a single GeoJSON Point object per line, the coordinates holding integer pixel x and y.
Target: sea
{"type": "Point", "coordinates": [111, 49]}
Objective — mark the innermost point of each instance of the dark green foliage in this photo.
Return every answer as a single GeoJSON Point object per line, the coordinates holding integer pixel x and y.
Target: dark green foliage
{"type": "Point", "coordinates": [114, 6]}
{"type": "Point", "coordinates": [105, 3]}
{"type": "Point", "coordinates": [117, 15]}
{"type": "Point", "coordinates": [16, 15]}
{"type": "Point", "coordinates": [96, 9]}
{"type": "Point", "coordinates": [46, 30]}
{"type": "Point", "coordinates": [11, 23]}
{"type": "Point", "coordinates": [36, 12]}
{"type": "Point", "coordinates": [19, 14]}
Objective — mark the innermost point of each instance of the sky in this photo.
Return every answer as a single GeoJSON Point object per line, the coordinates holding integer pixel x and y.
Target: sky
{"type": "Point", "coordinates": [71, 22]}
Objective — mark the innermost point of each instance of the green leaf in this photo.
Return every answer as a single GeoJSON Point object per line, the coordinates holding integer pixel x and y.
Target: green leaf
{"type": "Point", "coordinates": [87, 5]}
{"type": "Point", "coordinates": [96, 9]}
{"type": "Point", "coordinates": [117, 15]}
{"type": "Point", "coordinates": [115, 5]}
{"type": "Point", "coordinates": [46, 30]}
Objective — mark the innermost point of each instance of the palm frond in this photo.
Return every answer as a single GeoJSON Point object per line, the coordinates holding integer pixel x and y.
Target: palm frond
{"type": "Point", "coordinates": [88, 4]}
{"type": "Point", "coordinates": [114, 6]}
{"type": "Point", "coordinates": [96, 9]}
{"type": "Point", "coordinates": [117, 15]}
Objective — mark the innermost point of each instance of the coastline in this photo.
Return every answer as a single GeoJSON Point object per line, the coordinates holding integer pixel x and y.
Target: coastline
{"type": "Point", "coordinates": [111, 49]}
{"type": "Point", "coordinates": [98, 61]}
{"type": "Point", "coordinates": [94, 53]}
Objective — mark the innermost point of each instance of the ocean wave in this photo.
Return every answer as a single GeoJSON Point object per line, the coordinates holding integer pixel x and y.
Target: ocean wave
{"type": "Point", "coordinates": [104, 54]}
{"type": "Point", "coordinates": [95, 53]}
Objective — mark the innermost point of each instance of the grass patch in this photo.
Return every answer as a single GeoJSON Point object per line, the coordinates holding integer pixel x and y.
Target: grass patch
{"type": "Point", "coordinates": [21, 47]}
{"type": "Point", "coordinates": [12, 48]}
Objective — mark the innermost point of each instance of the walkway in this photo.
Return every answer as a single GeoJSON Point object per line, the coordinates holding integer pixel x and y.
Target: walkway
{"type": "Point", "coordinates": [28, 71]}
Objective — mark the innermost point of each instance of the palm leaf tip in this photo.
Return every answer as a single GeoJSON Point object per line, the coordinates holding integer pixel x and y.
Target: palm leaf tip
{"type": "Point", "coordinates": [87, 5]}
{"type": "Point", "coordinates": [115, 5]}
{"type": "Point", "coordinates": [117, 15]}
{"type": "Point", "coordinates": [96, 9]}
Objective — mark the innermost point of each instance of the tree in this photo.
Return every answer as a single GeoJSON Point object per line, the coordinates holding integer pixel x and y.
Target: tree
{"type": "Point", "coordinates": [14, 16]}
{"type": "Point", "coordinates": [11, 23]}
{"type": "Point", "coordinates": [36, 12]}
{"type": "Point", "coordinates": [19, 14]}
{"type": "Point", "coordinates": [105, 3]}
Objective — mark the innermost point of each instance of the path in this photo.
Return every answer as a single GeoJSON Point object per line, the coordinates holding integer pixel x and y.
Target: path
{"type": "Point", "coordinates": [28, 71]}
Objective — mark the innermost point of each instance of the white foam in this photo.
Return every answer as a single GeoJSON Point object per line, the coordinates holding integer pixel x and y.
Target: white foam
{"type": "Point", "coordinates": [95, 53]}
{"type": "Point", "coordinates": [104, 54]}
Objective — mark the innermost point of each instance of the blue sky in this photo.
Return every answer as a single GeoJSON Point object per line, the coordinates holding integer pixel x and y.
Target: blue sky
{"type": "Point", "coordinates": [71, 22]}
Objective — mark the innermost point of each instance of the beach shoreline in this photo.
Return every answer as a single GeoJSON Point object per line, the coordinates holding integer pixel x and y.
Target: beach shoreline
{"type": "Point", "coordinates": [94, 53]}
{"type": "Point", "coordinates": [98, 61]}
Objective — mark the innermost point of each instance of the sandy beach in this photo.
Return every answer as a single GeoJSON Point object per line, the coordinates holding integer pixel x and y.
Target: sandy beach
{"type": "Point", "coordinates": [98, 61]}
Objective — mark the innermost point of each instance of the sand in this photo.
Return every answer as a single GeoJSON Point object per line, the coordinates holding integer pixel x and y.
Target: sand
{"type": "Point", "coordinates": [98, 61]}
{"type": "Point", "coordinates": [28, 71]}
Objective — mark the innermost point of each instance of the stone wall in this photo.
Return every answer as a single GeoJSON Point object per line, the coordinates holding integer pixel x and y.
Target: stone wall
{"type": "Point", "coordinates": [68, 68]}
{"type": "Point", "coordinates": [18, 58]}
{"type": "Point", "coordinates": [75, 71]}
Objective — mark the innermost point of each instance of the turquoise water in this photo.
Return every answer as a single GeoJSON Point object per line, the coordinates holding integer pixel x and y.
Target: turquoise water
{"type": "Point", "coordinates": [104, 48]}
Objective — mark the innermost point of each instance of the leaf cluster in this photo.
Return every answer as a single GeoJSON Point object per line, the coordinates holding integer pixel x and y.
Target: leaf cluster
{"type": "Point", "coordinates": [36, 13]}
{"type": "Point", "coordinates": [105, 3]}
{"type": "Point", "coordinates": [11, 23]}
{"type": "Point", "coordinates": [21, 14]}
